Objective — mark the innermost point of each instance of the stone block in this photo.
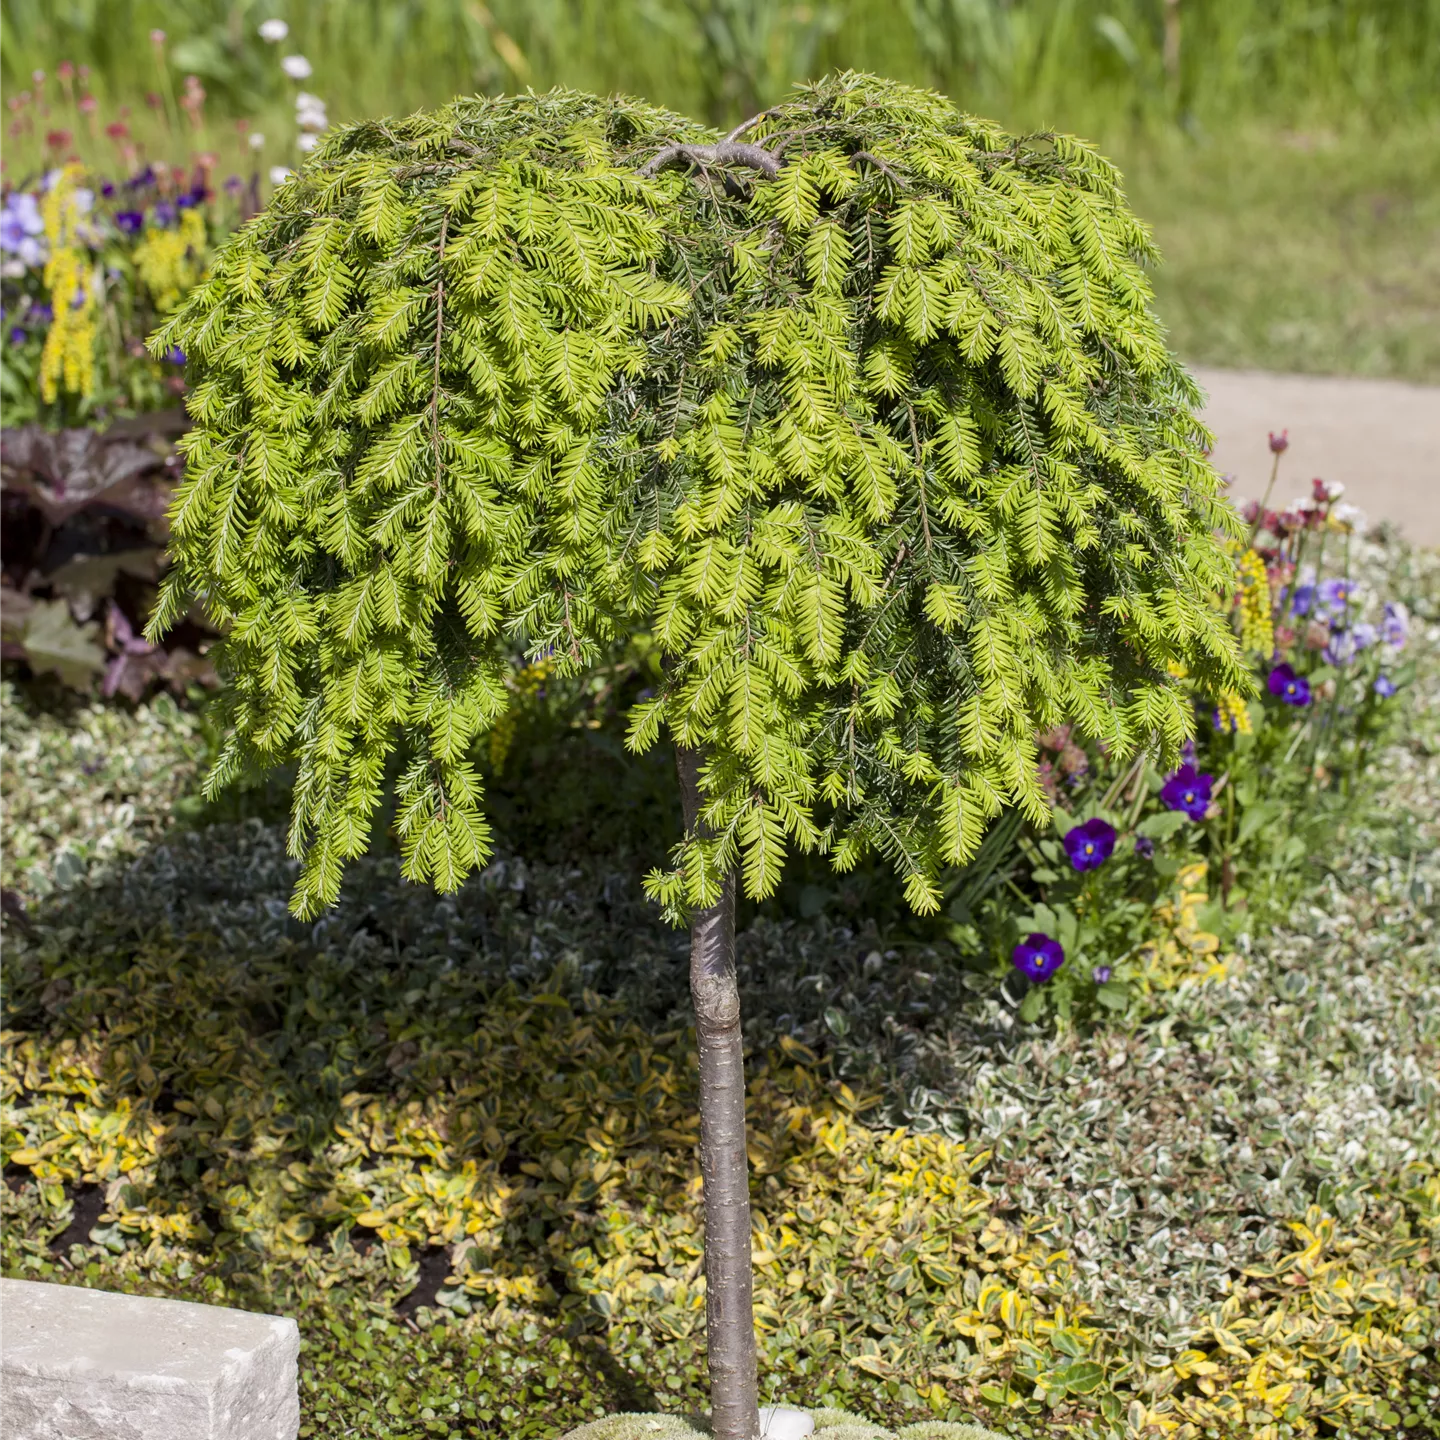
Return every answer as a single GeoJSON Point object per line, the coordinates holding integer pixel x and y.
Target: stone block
{"type": "Point", "coordinates": [79, 1364]}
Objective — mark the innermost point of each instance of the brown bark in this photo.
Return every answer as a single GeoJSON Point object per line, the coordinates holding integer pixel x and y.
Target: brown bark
{"type": "Point", "coordinates": [729, 1318]}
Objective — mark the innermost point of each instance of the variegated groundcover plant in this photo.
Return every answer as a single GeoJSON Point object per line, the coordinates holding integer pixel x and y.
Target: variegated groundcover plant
{"type": "Point", "coordinates": [860, 412]}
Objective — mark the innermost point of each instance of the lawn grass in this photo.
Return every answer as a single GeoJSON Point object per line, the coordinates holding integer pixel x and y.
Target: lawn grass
{"type": "Point", "coordinates": [1309, 251]}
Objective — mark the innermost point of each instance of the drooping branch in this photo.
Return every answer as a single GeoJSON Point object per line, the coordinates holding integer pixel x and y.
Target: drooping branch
{"type": "Point", "coordinates": [745, 125]}
{"type": "Point", "coordinates": [756, 157]}
{"type": "Point", "coordinates": [727, 152]}
{"type": "Point", "coordinates": [880, 165]}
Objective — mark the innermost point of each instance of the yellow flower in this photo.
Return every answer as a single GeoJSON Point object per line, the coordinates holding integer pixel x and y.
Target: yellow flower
{"type": "Point", "coordinates": [68, 359]}
{"type": "Point", "coordinates": [1257, 633]}
{"type": "Point", "coordinates": [170, 262]}
{"type": "Point", "coordinates": [1233, 713]}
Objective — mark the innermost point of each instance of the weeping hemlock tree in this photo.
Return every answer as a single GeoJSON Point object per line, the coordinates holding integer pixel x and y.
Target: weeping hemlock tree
{"type": "Point", "coordinates": [860, 412]}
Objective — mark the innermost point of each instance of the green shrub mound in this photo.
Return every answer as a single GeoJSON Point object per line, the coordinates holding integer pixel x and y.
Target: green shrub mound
{"type": "Point", "coordinates": [830, 1423]}
{"type": "Point", "coordinates": [865, 404]}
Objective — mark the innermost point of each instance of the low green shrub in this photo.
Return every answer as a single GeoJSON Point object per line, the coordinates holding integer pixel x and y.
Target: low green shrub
{"type": "Point", "coordinates": [479, 1195]}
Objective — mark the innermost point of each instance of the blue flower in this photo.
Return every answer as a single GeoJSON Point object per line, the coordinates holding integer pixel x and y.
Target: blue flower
{"type": "Point", "coordinates": [17, 335]}
{"type": "Point", "coordinates": [1101, 973]}
{"type": "Point", "coordinates": [1090, 845]}
{"type": "Point", "coordinates": [1038, 957]}
{"type": "Point", "coordinates": [1286, 685]}
{"type": "Point", "coordinates": [128, 222]}
{"type": "Point", "coordinates": [1396, 629]}
{"type": "Point", "coordinates": [1364, 635]}
{"type": "Point", "coordinates": [1303, 600]}
{"type": "Point", "coordinates": [175, 355]}
{"type": "Point", "coordinates": [1384, 686]}
{"type": "Point", "coordinates": [1340, 649]}
{"type": "Point", "coordinates": [1144, 846]}
{"type": "Point", "coordinates": [1335, 594]}
{"type": "Point", "coordinates": [21, 228]}
{"type": "Point", "coordinates": [1188, 790]}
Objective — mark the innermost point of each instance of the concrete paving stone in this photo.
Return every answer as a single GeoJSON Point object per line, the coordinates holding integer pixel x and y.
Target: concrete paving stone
{"type": "Point", "coordinates": [78, 1364]}
{"type": "Point", "coordinates": [1379, 438]}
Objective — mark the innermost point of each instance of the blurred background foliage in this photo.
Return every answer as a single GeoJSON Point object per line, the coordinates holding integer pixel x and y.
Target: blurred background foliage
{"type": "Point", "coordinates": [1084, 64]}
{"type": "Point", "coordinates": [1287, 152]}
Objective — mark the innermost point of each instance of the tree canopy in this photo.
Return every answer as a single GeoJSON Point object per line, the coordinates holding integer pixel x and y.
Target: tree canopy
{"type": "Point", "coordinates": [862, 414]}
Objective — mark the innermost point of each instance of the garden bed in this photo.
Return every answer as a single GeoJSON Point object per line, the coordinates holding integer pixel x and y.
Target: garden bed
{"type": "Point", "coordinates": [456, 1136]}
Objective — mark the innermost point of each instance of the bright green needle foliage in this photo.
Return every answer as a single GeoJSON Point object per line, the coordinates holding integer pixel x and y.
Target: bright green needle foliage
{"type": "Point", "coordinates": [884, 448]}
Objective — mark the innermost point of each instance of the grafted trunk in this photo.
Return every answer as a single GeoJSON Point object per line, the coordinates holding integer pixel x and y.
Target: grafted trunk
{"type": "Point", "coordinates": [729, 1318]}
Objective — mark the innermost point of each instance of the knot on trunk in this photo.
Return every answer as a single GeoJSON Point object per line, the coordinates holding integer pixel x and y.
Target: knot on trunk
{"type": "Point", "coordinates": [717, 1003]}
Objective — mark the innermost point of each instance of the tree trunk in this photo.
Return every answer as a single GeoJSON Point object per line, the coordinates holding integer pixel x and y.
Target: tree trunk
{"type": "Point", "coordinates": [729, 1320]}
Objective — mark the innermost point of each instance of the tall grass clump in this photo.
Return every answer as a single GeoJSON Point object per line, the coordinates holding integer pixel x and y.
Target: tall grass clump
{"type": "Point", "coordinates": [1080, 63]}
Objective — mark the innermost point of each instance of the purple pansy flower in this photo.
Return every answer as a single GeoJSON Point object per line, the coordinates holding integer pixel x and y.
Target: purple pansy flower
{"type": "Point", "coordinates": [1101, 973]}
{"type": "Point", "coordinates": [175, 355]}
{"type": "Point", "coordinates": [128, 222]}
{"type": "Point", "coordinates": [1302, 601]}
{"type": "Point", "coordinates": [1090, 845]}
{"type": "Point", "coordinates": [1285, 684]}
{"type": "Point", "coordinates": [1396, 629]}
{"type": "Point", "coordinates": [17, 335]}
{"type": "Point", "coordinates": [1340, 649]}
{"type": "Point", "coordinates": [22, 230]}
{"type": "Point", "coordinates": [1335, 594]}
{"type": "Point", "coordinates": [1144, 846]}
{"type": "Point", "coordinates": [1038, 957]}
{"type": "Point", "coordinates": [1384, 686]}
{"type": "Point", "coordinates": [1188, 789]}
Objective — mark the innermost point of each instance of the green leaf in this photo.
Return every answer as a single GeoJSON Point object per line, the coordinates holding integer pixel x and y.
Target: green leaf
{"type": "Point", "coordinates": [1163, 824]}
{"type": "Point", "coordinates": [1079, 1378]}
{"type": "Point", "coordinates": [54, 643]}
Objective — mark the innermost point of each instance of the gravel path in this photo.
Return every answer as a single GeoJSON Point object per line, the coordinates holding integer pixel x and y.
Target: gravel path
{"type": "Point", "coordinates": [1380, 438]}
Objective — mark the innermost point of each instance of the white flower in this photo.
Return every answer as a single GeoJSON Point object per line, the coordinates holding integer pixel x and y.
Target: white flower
{"type": "Point", "coordinates": [1352, 517]}
{"type": "Point", "coordinates": [310, 112]}
{"type": "Point", "coordinates": [273, 30]}
{"type": "Point", "coordinates": [257, 141]}
{"type": "Point", "coordinates": [297, 67]}
{"type": "Point", "coordinates": [307, 142]}
{"type": "Point", "coordinates": [279, 174]}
